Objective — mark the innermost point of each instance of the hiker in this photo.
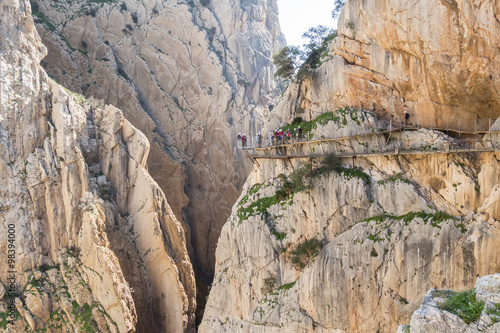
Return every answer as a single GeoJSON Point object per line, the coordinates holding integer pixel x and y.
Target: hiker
{"type": "Point", "coordinates": [299, 131]}
{"type": "Point", "coordinates": [238, 137]}
{"type": "Point", "coordinates": [281, 136]}
{"type": "Point", "coordinates": [259, 139]}
{"type": "Point", "coordinates": [276, 136]}
{"type": "Point", "coordinates": [406, 116]}
{"type": "Point", "coordinates": [244, 140]}
{"type": "Point", "coordinates": [288, 135]}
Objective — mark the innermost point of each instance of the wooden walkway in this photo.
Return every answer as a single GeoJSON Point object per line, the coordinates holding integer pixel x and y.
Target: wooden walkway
{"type": "Point", "coordinates": [386, 153]}
{"type": "Point", "coordinates": [284, 151]}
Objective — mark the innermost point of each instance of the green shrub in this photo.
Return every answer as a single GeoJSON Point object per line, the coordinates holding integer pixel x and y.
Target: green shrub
{"type": "Point", "coordinates": [286, 286]}
{"type": "Point", "coordinates": [304, 252]}
{"type": "Point", "coordinates": [269, 284]}
{"type": "Point", "coordinates": [394, 178]}
{"type": "Point", "coordinates": [350, 173]}
{"type": "Point", "coordinates": [494, 313]}
{"type": "Point", "coordinates": [330, 163]}
{"type": "Point", "coordinates": [463, 304]}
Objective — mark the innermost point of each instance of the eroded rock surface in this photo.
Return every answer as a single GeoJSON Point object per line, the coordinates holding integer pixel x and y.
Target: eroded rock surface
{"type": "Point", "coordinates": [437, 59]}
{"type": "Point", "coordinates": [189, 75]}
{"type": "Point", "coordinates": [431, 317]}
{"type": "Point", "coordinates": [96, 244]}
{"type": "Point", "coordinates": [358, 248]}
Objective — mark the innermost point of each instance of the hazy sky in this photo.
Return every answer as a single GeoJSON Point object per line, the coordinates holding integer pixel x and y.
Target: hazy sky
{"type": "Point", "coordinates": [296, 16]}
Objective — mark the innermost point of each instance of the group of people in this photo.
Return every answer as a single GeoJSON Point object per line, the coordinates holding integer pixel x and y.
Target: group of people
{"type": "Point", "coordinates": [279, 137]}
{"type": "Point", "coordinates": [243, 139]}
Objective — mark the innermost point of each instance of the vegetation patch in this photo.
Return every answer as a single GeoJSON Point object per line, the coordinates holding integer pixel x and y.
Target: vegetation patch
{"type": "Point", "coordinates": [305, 252]}
{"type": "Point", "coordinates": [269, 284]}
{"type": "Point", "coordinates": [83, 315]}
{"type": "Point", "coordinates": [463, 304]}
{"type": "Point", "coordinates": [494, 313]}
{"type": "Point", "coordinates": [435, 218]}
{"type": "Point", "coordinates": [349, 173]}
{"type": "Point", "coordinates": [286, 286]}
{"type": "Point", "coordinates": [394, 178]}
{"type": "Point", "coordinates": [39, 17]}
{"type": "Point", "coordinates": [339, 117]}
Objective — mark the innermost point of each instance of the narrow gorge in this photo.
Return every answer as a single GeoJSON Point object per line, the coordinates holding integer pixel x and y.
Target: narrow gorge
{"type": "Point", "coordinates": [126, 204]}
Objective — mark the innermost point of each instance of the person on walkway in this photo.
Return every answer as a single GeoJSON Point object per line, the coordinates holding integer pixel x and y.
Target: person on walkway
{"type": "Point", "coordinates": [259, 139]}
{"type": "Point", "coordinates": [281, 136]}
{"type": "Point", "coordinates": [406, 116]}
{"type": "Point", "coordinates": [238, 137]}
{"type": "Point", "coordinates": [300, 133]}
{"type": "Point", "coordinates": [288, 135]}
{"type": "Point", "coordinates": [244, 140]}
{"type": "Point", "coordinates": [295, 134]}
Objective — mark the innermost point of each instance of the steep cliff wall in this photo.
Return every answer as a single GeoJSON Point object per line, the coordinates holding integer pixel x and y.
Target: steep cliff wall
{"type": "Point", "coordinates": [353, 244]}
{"type": "Point", "coordinates": [437, 59]}
{"type": "Point", "coordinates": [95, 244]}
{"type": "Point", "coordinates": [190, 75]}
{"type": "Point", "coordinates": [476, 310]}
{"type": "Point", "coordinates": [357, 248]}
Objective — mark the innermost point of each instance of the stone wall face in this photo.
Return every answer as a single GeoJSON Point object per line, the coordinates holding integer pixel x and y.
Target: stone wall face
{"type": "Point", "coordinates": [385, 240]}
{"type": "Point", "coordinates": [387, 229]}
{"type": "Point", "coordinates": [436, 59]}
{"type": "Point", "coordinates": [188, 75]}
{"type": "Point", "coordinates": [96, 243]}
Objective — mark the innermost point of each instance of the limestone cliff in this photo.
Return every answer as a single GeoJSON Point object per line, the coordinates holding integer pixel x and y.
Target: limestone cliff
{"type": "Point", "coordinates": [95, 246]}
{"type": "Point", "coordinates": [190, 75]}
{"type": "Point", "coordinates": [352, 244]}
{"type": "Point", "coordinates": [354, 247]}
{"type": "Point", "coordinates": [438, 59]}
{"type": "Point", "coordinates": [442, 310]}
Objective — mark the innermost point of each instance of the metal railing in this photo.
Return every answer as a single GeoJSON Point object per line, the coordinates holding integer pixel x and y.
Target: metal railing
{"type": "Point", "coordinates": [384, 142]}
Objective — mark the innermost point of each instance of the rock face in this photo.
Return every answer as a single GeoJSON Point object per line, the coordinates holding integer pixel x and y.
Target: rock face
{"type": "Point", "coordinates": [356, 249]}
{"type": "Point", "coordinates": [437, 59]}
{"type": "Point", "coordinates": [355, 245]}
{"type": "Point", "coordinates": [96, 245]}
{"type": "Point", "coordinates": [187, 74]}
{"type": "Point", "coordinates": [431, 318]}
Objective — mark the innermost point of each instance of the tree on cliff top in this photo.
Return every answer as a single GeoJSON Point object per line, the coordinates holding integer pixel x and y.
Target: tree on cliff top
{"type": "Point", "coordinates": [287, 61]}
{"type": "Point", "coordinates": [294, 62]}
{"type": "Point", "coordinates": [339, 5]}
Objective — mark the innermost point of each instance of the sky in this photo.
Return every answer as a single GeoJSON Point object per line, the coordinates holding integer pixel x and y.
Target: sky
{"type": "Point", "coordinates": [297, 16]}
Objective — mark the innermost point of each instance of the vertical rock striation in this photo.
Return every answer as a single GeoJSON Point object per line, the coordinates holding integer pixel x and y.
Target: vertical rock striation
{"type": "Point", "coordinates": [359, 246]}
{"type": "Point", "coordinates": [437, 59]}
{"type": "Point", "coordinates": [187, 74]}
{"type": "Point", "coordinates": [97, 246]}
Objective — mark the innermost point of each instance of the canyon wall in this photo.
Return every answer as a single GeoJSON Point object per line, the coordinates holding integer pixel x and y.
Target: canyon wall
{"type": "Point", "coordinates": [189, 75]}
{"type": "Point", "coordinates": [437, 59]}
{"type": "Point", "coordinates": [96, 245]}
{"type": "Point", "coordinates": [356, 247]}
